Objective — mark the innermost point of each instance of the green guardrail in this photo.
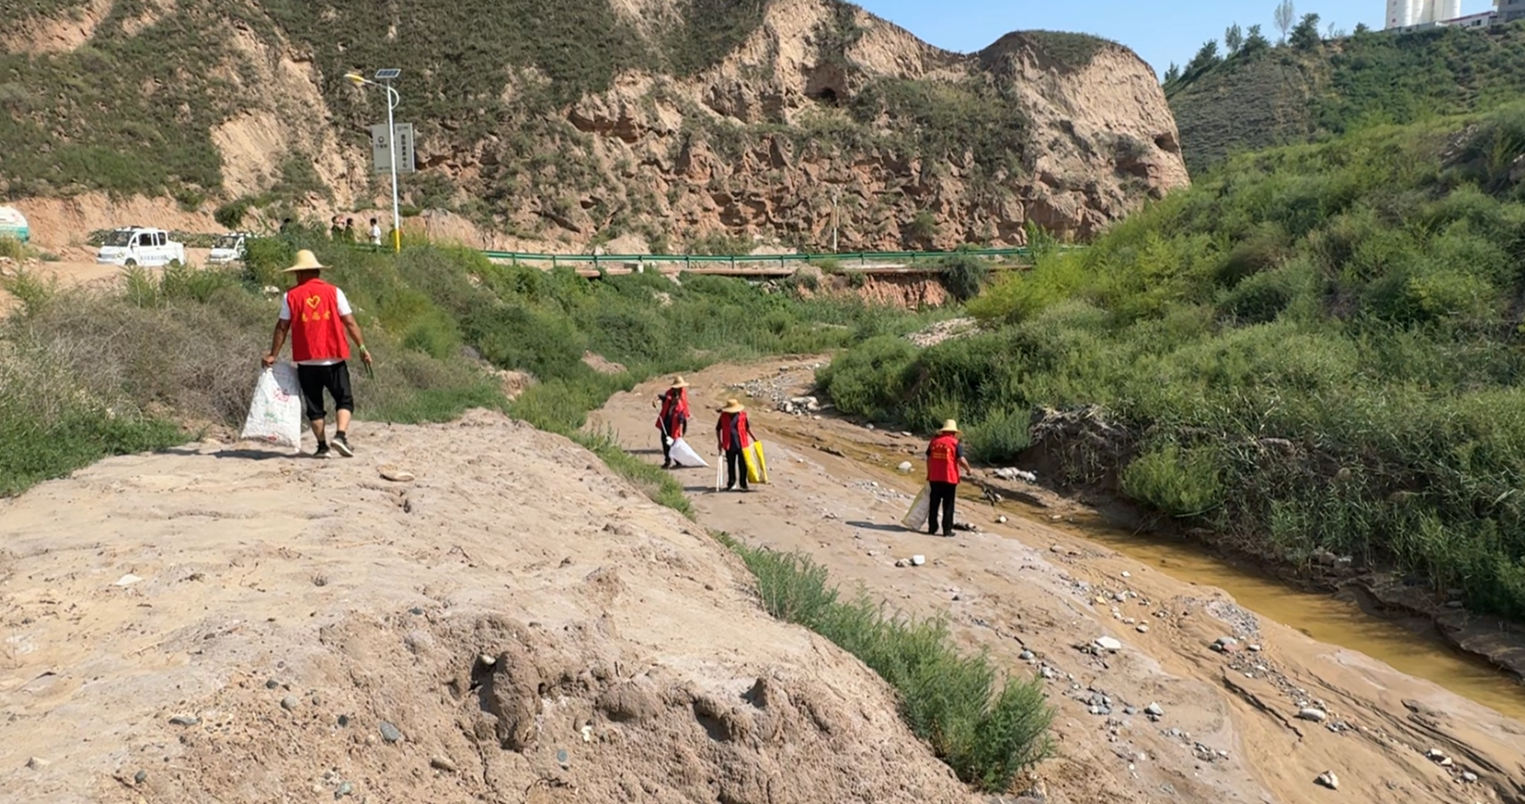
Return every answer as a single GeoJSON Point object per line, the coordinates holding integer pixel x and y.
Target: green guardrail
{"type": "Point", "coordinates": [860, 257]}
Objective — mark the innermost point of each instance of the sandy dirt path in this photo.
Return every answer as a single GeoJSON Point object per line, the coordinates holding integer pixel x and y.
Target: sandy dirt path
{"type": "Point", "coordinates": [516, 624]}
{"type": "Point", "coordinates": [1038, 599]}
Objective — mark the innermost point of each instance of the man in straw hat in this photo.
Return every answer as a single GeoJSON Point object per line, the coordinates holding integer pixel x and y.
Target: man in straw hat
{"type": "Point", "coordinates": [945, 457]}
{"type": "Point", "coordinates": [318, 315]}
{"type": "Point", "coordinates": [673, 420]}
{"type": "Point", "coordinates": [735, 435]}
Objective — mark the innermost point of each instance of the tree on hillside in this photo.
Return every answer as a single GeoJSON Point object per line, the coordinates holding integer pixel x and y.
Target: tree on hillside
{"type": "Point", "coordinates": [1286, 14]}
{"type": "Point", "coordinates": [1233, 39]}
{"type": "Point", "coordinates": [1172, 73]}
{"type": "Point", "coordinates": [1362, 28]}
{"type": "Point", "coordinates": [1205, 58]}
{"type": "Point", "coordinates": [1305, 36]}
{"type": "Point", "coordinates": [1334, 32]}
{"type": "Point", "coordinates": [1255, 41]}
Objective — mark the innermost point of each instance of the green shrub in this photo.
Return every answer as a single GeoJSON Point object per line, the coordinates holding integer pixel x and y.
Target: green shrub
{"type": "Point", "coordinates": [1176, 481]}
{"type": "Point", "coordinates": [988, 730]}
{"type": "Point", "coordinates": [964, 275]}
{"type": "Point", "coordinates": [998, 436]}
{"type": "Point", "coordinates": [11, 248]}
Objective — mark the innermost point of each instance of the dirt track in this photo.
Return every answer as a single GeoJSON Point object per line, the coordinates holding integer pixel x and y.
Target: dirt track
{"type": "Point", "coordinates": [1230, 731]}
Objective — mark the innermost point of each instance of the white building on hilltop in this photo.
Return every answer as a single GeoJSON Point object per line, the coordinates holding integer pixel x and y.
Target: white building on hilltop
{"type": "Point", "coordinates": [1414, 15]}
{"type": "Point", "coordinates": [1410, 13]}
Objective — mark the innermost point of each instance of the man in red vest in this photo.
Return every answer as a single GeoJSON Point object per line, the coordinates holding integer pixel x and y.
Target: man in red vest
{"type": "Point", "coordinates": [318, 315]}
{"type": "Point", "coordinates": [735, 435]}
{"type": "Point", "coordinates": [945, 457]}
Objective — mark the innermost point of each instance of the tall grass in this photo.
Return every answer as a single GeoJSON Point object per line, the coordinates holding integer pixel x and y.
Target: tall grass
{"type": "Point", "coordinates": [1316, 348]}
{"type": "Point", "coordinates": [986, 728]}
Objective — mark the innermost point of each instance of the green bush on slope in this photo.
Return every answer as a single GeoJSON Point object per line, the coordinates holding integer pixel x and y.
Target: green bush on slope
{"type": "Point", "coordinates": [1314, 348]}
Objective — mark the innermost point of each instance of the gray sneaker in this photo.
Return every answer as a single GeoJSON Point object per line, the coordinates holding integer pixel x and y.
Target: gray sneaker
{"type": "Point", "coordinates": [341, 446]}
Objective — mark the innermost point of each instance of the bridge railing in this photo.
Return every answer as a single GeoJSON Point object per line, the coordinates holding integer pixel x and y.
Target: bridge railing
{"type": "Point", "coordinates": [861, 258]}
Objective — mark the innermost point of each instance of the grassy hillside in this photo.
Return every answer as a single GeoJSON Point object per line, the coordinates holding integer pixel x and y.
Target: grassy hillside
{"type": "Point", "coordinates": [1315, 348]}
{"type": "Point", "coordinates": [90, 373]}
{"type": "Point", "coordinates": [1264, 97]}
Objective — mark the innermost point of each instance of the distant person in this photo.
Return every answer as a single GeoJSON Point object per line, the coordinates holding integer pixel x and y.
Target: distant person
{"type": "Point", "coordinates": [673, 420]}
{"type": "Point", "coordinates": [285, 225]}
{"type": "Point", "coordinates": [375, 234]}
{"type": "Point", "coordinates": [349, 230]}
{"type": "Point", "coordinates": [945, 457]}
{"type": "Point", "coordinates": [335, 227]}
{"type": "Point", "coordinates": [319, 348]}
{"type": "Point", "coordinates": [735, 434]}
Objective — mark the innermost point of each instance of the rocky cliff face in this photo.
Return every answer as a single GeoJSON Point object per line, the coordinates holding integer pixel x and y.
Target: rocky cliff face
{"type": "Point", "coordinates": [642, 124]}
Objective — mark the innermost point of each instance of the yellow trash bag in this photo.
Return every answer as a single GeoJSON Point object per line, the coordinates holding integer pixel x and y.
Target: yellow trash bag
{"type": "Point", "coordinates": [757, 464]}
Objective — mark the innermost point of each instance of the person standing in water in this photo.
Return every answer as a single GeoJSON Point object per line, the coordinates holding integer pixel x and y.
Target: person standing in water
{"type": "Point", "coordinates": [734, 433]}
{"type": "Point", "coordinates": [673, 420]}
{"type": "Point", "coordinates": [945, 457]}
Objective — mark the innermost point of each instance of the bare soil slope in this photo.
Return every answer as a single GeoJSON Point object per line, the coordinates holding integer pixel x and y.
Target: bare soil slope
{"type": "Point", "coordinates": [1229, 727]}
{"type": "Point", "coordinates": [515, 625]}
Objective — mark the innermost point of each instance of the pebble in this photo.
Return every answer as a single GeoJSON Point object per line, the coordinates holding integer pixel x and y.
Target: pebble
{"type": "Point", "coordinates": [442, 763]}
{"type": "Point", "coordinates": [37, 763]}
{"type": "Point", "coordinates": [487, 659]}
{"type": "Point", "coordinates": [343, 721]}
{"type": "Point", "coordinates": [289, 703]}
{"type": "Point", "coordinates": [140, 777]}
{"type": "Point", "coordinates": [1143, 629]}
{"type": "Point", "coordinates": [184, 720]}
{"type": "Point", "coordinates": [345, 788]}
{"type": "Point", "coordinates": [1001, 519]}
{"type": "Point", "coordinates": [1127, 574]}
{"type": "Point", "coordinates": [1254, 649]}
{"type": "Point", "coordinates": [1469, 777]}
{"type": "Point", "coordinates": [1313, 714]}
{"type": "Point", "coordinates": [1048, 672]}
{"type": "Point", "coordinates": [1226, 645]}
{"type": "Point", "coordinates": [1154, 710]}
{"type": "Point", "coordinates": [1329, 780]}
{"type": "Point", "coordinates": [917, 561]}
{"type": "Point", "coordinates": [1435, 755]}
{"type": "Point", "coordinates": [390, 732]}
{"type": "Point", "coordinates": [272, 684]}
{"type": "Point", "coordinates": [904, 467]}
{"type": "Point", "coordinates": [1108, 643]}
{"type": "Point", "coordinates": [1025, 655]}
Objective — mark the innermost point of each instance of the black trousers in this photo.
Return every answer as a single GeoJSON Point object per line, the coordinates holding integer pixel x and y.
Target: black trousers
{"type": "Point", "coordinates": [943, 495]}
{"type": "Point", "coordinates": [735, 466]}
{"type": "Point", "coordinates": [333, 379]}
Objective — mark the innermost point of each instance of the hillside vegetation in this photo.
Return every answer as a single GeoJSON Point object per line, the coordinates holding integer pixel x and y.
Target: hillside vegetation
{"type": "Point", "coordinates": [1318, 348]}
{"type": "Point", "coordinates": [92, 372]}
{"type": "Point", "coordinates": [1312, 89]}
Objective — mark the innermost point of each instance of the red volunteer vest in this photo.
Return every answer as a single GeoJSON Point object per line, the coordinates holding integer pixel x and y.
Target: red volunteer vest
{"type": "Point", "coordinates": [734, 424]}
{"type": "Point", "coordinates": [942, 459]}
{"type": "Point", "coordinates": [674, 412]}
{"type": "Point", "coordinates": [317, 333]}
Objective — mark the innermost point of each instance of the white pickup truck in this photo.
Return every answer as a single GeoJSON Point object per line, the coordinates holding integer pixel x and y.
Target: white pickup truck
{"type": "Point", "coordinates": [138, 245]}
{"type": "Point", "coordinates": [229, 248]}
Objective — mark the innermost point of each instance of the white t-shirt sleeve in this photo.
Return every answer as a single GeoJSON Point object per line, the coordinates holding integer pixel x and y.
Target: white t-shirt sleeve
{"type": "Point", "coordinates": [285, 308]}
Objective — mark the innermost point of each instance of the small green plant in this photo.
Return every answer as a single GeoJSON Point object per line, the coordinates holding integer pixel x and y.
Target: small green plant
{"type": "Point", "coordinates": [11, 248]}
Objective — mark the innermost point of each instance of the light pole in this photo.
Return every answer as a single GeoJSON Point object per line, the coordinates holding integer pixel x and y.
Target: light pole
{"type": "Point", "coordinates": [836, 192]}
{"type": "Point", "coordinates": [393, 99]}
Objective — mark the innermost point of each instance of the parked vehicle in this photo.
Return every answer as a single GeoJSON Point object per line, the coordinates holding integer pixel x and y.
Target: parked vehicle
{"type": "Point", "coordinates": [228, 248]}
{"type": "Point", "coordinates": [13, 224]}
{"type": "Point", "coordinates": [139, 245]}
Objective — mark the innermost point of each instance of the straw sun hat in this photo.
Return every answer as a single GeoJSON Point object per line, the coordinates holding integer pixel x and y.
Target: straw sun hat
{"type": "Point", "coordinates": [732, 406]}
{"type": "Point", "coordinates": [306, 261]}
{"type": "Point", "coordinates": [679, 382]}
{"type": "Point", "coordinates": [949, 426]}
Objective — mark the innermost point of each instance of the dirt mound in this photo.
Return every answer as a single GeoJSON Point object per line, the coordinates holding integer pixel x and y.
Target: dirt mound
{"type": "Point", "coordinates": [516, 624]}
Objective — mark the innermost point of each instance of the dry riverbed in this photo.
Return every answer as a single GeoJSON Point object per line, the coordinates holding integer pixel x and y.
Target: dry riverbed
{"type": "Point", "coordinates": [1167, 690]}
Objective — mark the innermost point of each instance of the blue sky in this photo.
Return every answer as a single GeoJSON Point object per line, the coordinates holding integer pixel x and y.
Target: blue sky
{"type": "Point", "coordinates": [1161, 31]}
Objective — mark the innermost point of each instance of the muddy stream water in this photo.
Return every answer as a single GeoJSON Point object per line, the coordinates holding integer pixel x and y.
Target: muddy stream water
{"type": "Point", "coordinates": [1324, 617]}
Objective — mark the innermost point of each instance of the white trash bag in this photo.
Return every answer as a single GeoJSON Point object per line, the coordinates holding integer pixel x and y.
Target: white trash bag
{"type": "Point", "coordinates": [684, 455]}
{"type": "Point", "coordinates": [275, 415]}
